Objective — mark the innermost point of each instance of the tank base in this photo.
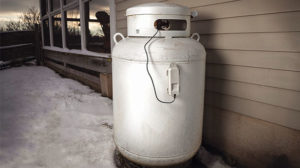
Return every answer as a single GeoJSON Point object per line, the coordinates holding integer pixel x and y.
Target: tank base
{"type": "Point", "coordinates": [123, 162]}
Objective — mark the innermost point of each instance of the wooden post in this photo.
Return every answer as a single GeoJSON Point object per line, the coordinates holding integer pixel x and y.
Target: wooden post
{"type": "Point", "coordinates": [106, 84]}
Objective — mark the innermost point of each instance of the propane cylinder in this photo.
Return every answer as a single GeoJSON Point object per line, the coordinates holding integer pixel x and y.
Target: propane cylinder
{"type": "Point", "coordinates": [158, 121]}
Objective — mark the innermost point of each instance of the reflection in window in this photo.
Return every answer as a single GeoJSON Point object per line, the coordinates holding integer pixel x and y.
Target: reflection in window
{"type": "Point", "coordinates": [46, 32]}
{"type": "Point", "coordinates": [55, 4]}
{"type": "Point", "coordinates": [68, 1]}
{"type": "Point", "coordinates": [98, 30]}
{"type": "Point", "coordinates": [57, 32]}
{"type": "Point", "coordinates": [44, 6]}
{"type": "Point", "coordinates": [73, 29]}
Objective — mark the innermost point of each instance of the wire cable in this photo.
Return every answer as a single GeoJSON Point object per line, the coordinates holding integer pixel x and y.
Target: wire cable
{"type": "Point", "coordinates": [150, 76]}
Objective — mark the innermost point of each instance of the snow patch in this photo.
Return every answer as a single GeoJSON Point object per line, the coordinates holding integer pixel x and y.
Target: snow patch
{"type": "Point", "coordinates": [210, 160]}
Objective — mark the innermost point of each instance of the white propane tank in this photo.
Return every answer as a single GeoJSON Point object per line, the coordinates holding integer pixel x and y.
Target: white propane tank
{"type": "Point", "coordinates": [146, 130]}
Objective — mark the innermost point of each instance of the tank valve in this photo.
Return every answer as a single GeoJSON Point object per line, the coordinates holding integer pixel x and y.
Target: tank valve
{"type": "Point", "coordinates": [173, 74]}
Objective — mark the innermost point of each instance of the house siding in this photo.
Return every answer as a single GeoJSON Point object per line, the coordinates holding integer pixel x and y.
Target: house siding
{"type": "Point", "coordinates": [253, 73]}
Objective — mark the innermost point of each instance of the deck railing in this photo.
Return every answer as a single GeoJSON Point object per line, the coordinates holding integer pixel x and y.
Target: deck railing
{"type": "Point", "coordinates": [17, 47]}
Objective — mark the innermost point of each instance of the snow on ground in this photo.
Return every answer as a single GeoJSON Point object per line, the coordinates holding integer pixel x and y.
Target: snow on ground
{"type": "Point", "coordinates": [210, 160]}
{"type": "Point", "coordinates": [49, 121]}
{"type": "Point", "coordinates": [54, 122]}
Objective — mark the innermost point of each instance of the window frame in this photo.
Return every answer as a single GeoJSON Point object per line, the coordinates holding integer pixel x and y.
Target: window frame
{"type": "Point", "coordinates": [63, 8]}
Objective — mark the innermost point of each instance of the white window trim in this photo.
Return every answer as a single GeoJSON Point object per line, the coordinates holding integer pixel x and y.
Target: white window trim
{"type": "Point", "coordinates": [82, 26]}
{"type": "Point", "coordinates": [63, 25]}
{"type": "Point", "coordinates": [62, 10]}
{"type": "Point", "coordinates": [112, 19]}
{"type": "Point", "coordinates": [70, 5]}
{"type": "Point", "coordinates": [42, 23]}
{"type": "Point", "coordinates": [50, 23]}
{"type": "Point", "coordinates": [76, 51]}
{"type": "Point", "coordinates": [56, 11]}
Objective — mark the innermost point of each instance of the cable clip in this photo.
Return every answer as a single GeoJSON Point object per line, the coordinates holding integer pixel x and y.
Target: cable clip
{"type": "Point", "coordinates": [173, 74]}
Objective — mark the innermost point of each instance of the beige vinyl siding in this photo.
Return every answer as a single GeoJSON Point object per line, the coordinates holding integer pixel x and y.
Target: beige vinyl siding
{"type": "Point", "coordinates": [122, 6]}
{"type": "Point", "coordinates": [261, 76]}
{"type": "Point", "coordinates": [246, 8]}
{"type": "Point", "coordinates": [283, 41]}
{"type": "Point", "coordinates": [253, 55]}
{"type": "Point", "coordinates": [251, 141]}
{"type": "Point", "coordinates": [275, 22]}
{"type": "Point", "coordinates": [289, 61]}
{"type": "Point", "coordinates": [199, 3]}
{"type": "Point", "coordinates": [259, 93]}
{"type": "Point", "coordinates": [253, 109]}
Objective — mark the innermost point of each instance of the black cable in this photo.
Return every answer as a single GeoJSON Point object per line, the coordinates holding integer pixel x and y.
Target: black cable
{"type": "Point", "coordinates": [147, 68]}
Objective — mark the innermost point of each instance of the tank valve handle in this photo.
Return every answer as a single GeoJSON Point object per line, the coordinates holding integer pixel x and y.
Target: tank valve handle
{"type": "Point", "coordinates": [195, 35]}
{"type": "Point", "coordinates": [115, 37]}
{"type": "Point", "coordinates": [173, 74]}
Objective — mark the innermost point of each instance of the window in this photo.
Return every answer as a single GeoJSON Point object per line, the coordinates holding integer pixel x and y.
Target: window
{"type": "Point", "coordinates": [46, 32]}
{"type": "Point", "coordinates": [57, 32]}
{"type": "Point", "coordinates": [63, 26]}
{"type": "Point", "coordinates": [73, 29]}
{"type": "Point", "coordinates": [97, 26]}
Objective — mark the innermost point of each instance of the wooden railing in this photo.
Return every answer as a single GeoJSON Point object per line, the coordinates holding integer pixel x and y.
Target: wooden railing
{"type": "Point", "coordinates": [18, 47]}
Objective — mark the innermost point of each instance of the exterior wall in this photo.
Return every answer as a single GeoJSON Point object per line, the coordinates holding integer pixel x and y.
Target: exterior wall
{"type": "Point", "coordinates": [253, 75]}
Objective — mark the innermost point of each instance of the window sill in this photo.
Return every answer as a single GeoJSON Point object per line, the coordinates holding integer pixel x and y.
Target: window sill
{"type": "Point", "coordinates": [80, 52]}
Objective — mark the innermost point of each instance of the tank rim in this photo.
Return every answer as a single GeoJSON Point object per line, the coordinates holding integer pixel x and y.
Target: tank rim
{"type": "Point", "coordinates": [161, 161]}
